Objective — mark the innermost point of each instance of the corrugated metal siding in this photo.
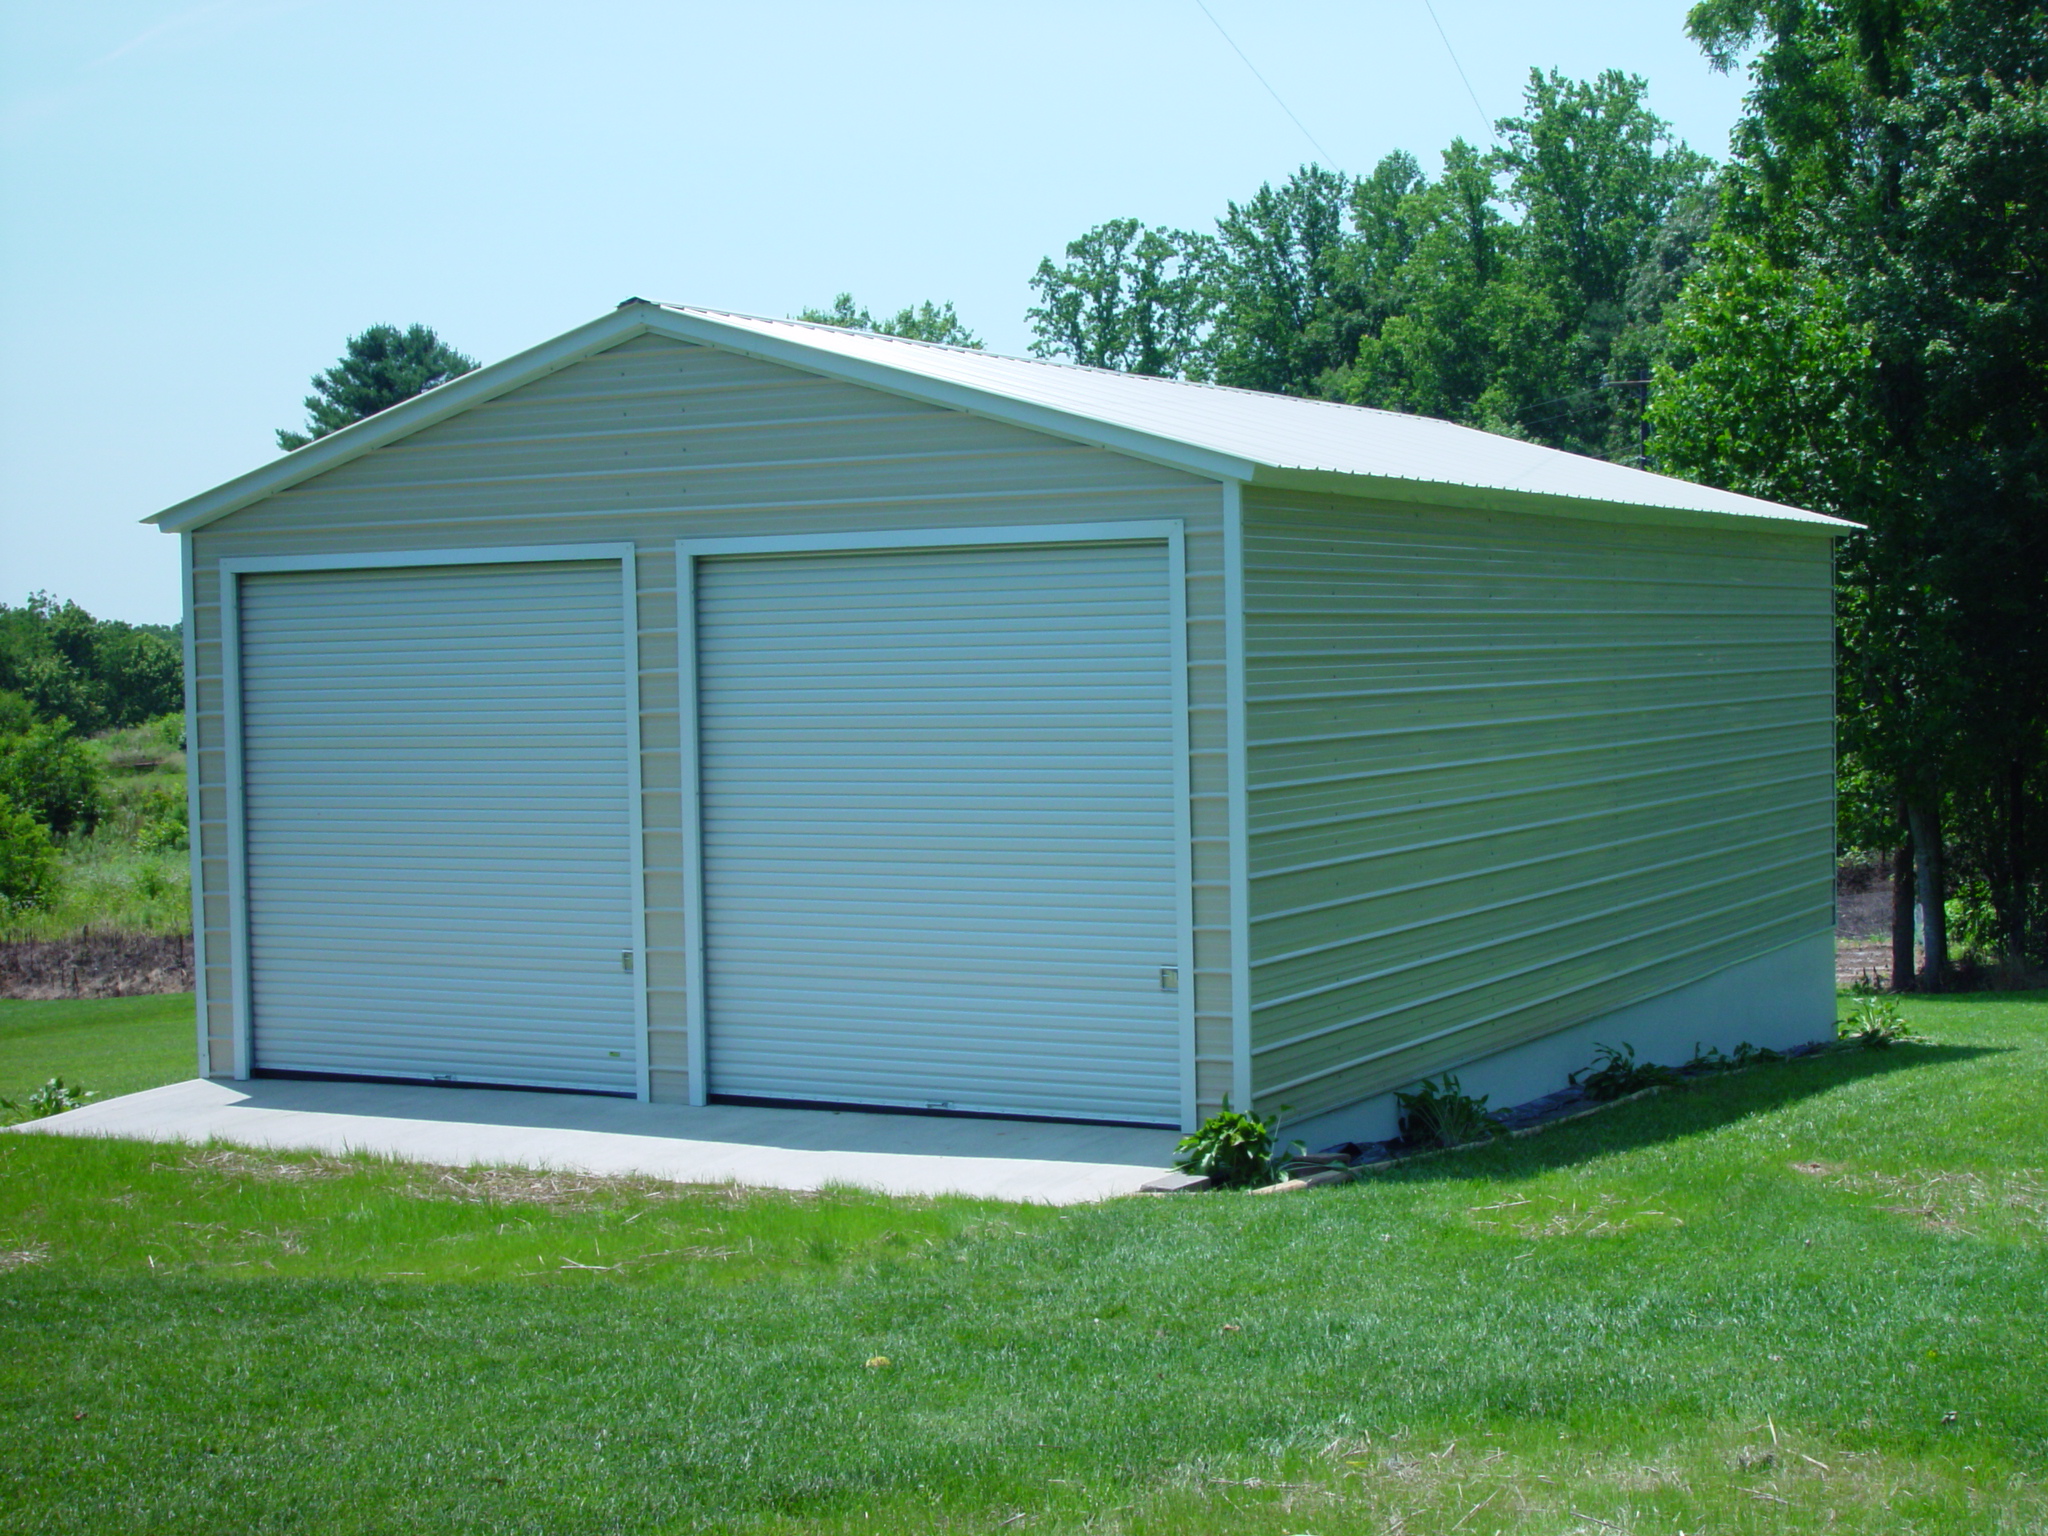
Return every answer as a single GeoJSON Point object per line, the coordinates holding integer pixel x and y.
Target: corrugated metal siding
{"type": "Point", "coordinates": [1508, 774]}
{"type": "Point", "coordinates": [940, 862]}
{"type": "Point", "coordinates": [436, 773]}
{"type": "Point", "coordinates": [659, 440]}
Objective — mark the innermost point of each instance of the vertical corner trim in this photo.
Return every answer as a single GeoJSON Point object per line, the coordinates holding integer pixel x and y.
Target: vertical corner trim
{"type": "Point", "coordinates": [630, 635]}
{"type": "Point", "coordinates": [1239, 802]}
{"type": "Point", "coordinates": [238, 866]}
{"type": "Point", "coordinates": [188, 640]}
{"type": "Point", "coordinates": [694, 1015]}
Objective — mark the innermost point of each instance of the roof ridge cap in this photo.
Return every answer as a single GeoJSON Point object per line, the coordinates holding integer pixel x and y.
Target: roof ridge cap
{"type": "Point", "coordinates": [1048, 362]}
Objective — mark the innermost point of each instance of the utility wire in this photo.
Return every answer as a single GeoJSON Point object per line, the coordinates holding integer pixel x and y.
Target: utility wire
{"type": "Point", "coordinates": [1428, 6]}
{"type": "Point", "coordinates": [1328, 159]}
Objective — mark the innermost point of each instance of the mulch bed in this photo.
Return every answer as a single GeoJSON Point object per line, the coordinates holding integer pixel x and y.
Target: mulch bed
{"type": "Point", "coordinates": [96, 964]}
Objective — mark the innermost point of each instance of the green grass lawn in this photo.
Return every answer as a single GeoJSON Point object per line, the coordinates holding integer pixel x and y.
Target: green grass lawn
{"type": "Point", "coordinates": [1809, 1297]}
{"type": "Point", "coordinates": [112, 1045]}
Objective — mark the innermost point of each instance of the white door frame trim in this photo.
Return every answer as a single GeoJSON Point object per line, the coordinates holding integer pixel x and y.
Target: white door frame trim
{"type": "Point", "coordinates": [1167, 531]}
{"type": "Point", "coordinates": [233, 568]}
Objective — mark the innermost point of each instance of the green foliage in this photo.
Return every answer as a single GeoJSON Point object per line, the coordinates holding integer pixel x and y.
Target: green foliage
{"type": "Point", "coordinates": [52, 1098]}
{"type": "Point", "coordinates": [125, 867]}
{"type": "Point", "coordinates": [162, 823]}
{"type": "Point", "coordinates": [1869, 336]}
{"type": "Point", "coordinates": [1286, 313]}
{"type": "Point", "coordinates": [1711, 1059]}
{"type": "Point", "coordinates": [28, 864]}
{"type": "Point", "coordinates": [65, 664]}
{"type": "Point", "coordinates": [380, 368]}
{"type": "Point", "coordinates": [1439, 1113]}
{"type": "Point", "coordinates": [922, 322]}
{"type": "Point", "coordinates": [1876, 1024]}
{"type": "Point", "coordinates": [51, 774]}
{"type": "Point", "coordinates": [1615, 1074]}
{"type": "Point", "coordinates": [1232, 1149]}
{"type": "Point", "coordinates": [1523, 290]}
{"type": "Point", "coordinates": [1129, 298]}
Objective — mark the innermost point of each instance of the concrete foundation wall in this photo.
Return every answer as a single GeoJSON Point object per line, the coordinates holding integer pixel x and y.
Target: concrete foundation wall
{"type": "Point", "coordinates": [1781, 999]}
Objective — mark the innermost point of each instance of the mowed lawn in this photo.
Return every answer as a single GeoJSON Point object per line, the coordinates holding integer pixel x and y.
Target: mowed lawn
{"type": "Point", "coordinates": [112, 1045]}
{"type": "Point", "coordinates": [1808, 1297]}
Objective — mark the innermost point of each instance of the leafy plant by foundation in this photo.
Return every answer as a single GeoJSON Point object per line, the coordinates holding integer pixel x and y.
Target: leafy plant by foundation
{"type": "Point", "coordinates": [1876, 1025]}
{"type": "Point", "coordinates": [1233, 1149]}
{"type": "Point", "coordinates": [1615, 1073]}
{"type": "Point", "coordinates": [1439, 1113]}
{"type": "Point", "coordinates": [53, 1098]}
{"type": "Point", "coordinates": [1710, 1059]}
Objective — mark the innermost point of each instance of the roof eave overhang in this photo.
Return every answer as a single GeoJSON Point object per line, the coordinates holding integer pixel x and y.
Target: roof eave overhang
{"type": "Point", "coordinates": [1768, 516]}
{"type": "Point", "coordinates": [402, 420]}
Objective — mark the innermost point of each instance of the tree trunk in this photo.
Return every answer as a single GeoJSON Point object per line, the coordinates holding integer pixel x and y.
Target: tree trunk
{"type": "Point", "coordinates": [1902, 914]}
{"type": "Point", "coordinates": [2016, 861]}
{"type": "Point", "coordinates": [1928, 888]}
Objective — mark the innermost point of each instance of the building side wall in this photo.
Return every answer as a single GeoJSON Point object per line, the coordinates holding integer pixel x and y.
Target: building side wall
{"type": "Point", "coordinates": [658, 440]}
{"type": "Point", "coordinates": [1507, 775]}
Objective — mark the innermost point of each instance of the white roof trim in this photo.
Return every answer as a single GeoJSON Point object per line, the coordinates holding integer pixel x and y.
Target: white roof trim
{"type": "Point", "coordinates": [1207, 431]}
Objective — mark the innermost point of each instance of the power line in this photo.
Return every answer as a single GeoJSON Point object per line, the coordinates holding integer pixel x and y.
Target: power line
{"type": "Point", "coordinates": [1328, 158]}
{"type": "Point", "coordinates": [1440, 32]}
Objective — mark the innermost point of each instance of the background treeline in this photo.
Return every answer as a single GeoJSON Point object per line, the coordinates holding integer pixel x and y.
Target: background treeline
{"type": "Point", "coordinates": [92, 802]}
{"type": "Point", "coordinates": [1521, 288]}
{"type": "Point", "coordinates": [1851, 315]}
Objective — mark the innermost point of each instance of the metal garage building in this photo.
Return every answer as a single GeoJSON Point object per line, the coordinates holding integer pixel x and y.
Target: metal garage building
{"type": "Point", "coordinates": [706, 706]}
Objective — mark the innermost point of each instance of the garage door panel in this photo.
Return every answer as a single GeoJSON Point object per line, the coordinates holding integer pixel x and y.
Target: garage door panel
{"type": "Point", "coordinates": [939, 830]}
{"type": "Point", "coordinates": [437, 813]}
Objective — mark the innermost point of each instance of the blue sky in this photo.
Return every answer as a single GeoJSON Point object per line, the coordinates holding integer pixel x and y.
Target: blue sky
{"type": "Point", "coordinates": [200, 202]}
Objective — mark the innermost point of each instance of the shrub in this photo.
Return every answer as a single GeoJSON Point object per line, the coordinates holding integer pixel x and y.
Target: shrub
{"type": "Point", "coordinates": [1442, 1114]}
{"type": "Point", "coordinates": [1232, 1150]}
{"type": "Point", "coordinates": [51, 774]}
{"type": "Point", "coordinates": [28, 864]}
{"type": "Point", "coordinates": [53, 1098]}
{"type": "Point", "coordinates": [1615, 1074]}
{"type": "Point", "coordinates": [162, 827]}
{"type": "Point", "coordinates": [1876, 1025]}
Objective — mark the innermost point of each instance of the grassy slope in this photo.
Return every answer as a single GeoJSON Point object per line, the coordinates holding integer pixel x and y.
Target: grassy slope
{"type": "Point", "coordinates": [112, 1045]}
{"type": "Point", "coordinates": [104, 880]}
{"type": "Point", "coordinates": [1613, 1322]}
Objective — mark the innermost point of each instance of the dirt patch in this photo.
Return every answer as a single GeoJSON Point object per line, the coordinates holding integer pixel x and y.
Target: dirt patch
{"type": "Point", "coordinates": [473, 1186]}
{"type": "Point", "coordinates": [1948, 1201]}
{"type": "Point", "coordinates": [1863, 901]}
{"type": "Point", "coordinates": [94, 964]}
{"type": "Point", "coordinates": [1863, 965]}
{"type": "Point", "coordinates": [269, 1170]}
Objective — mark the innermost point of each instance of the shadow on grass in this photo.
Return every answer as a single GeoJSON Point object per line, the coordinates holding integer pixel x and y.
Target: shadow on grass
{"type": "Point", "coordinates": [1688, 1109]}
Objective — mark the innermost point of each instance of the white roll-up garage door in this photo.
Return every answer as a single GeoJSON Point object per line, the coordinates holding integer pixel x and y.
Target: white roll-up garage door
{"type": "Point", "coordinates": [939, 835]}
{"type": "Point", "coordinates": [436, 803]}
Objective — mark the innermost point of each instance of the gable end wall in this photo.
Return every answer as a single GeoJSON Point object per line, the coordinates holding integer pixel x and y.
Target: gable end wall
{"type": "Point", "coordinates": [658, 440]}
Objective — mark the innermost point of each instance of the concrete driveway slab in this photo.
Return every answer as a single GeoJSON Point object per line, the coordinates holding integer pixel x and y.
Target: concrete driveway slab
{"type": "Point", "coordinates": [1047, 1162]}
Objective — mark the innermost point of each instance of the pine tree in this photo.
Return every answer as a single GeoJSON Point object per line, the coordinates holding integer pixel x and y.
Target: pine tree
{"type": "Point", "coordinates": [381, 367]}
